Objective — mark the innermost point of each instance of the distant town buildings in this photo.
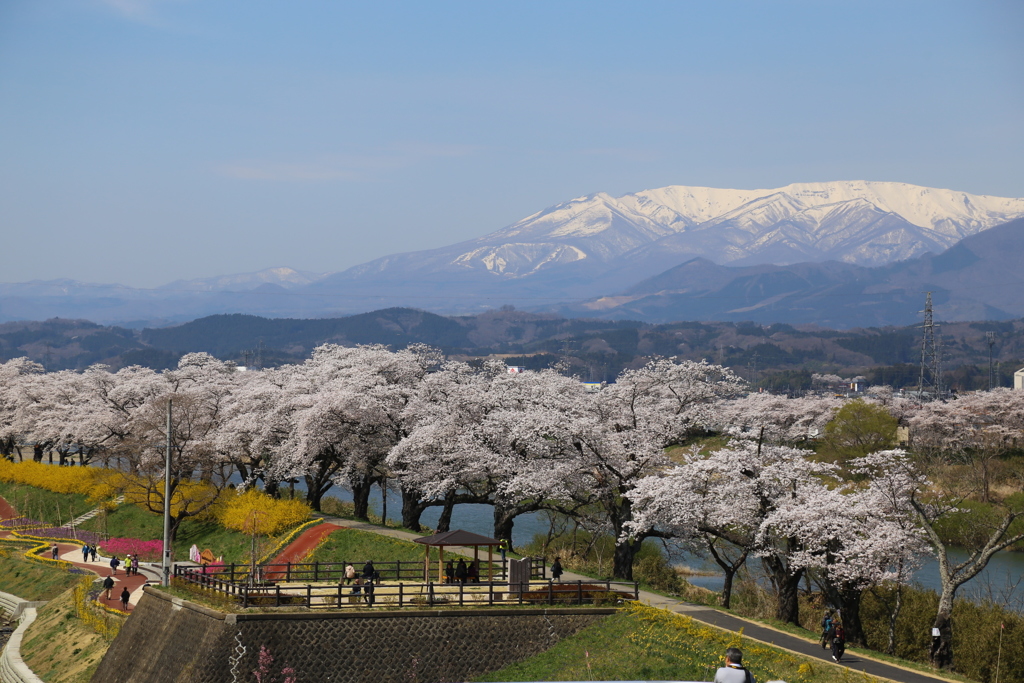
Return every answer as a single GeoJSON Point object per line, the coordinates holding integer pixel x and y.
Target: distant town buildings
{"type": "Point", "coordinates": [1018, 379]}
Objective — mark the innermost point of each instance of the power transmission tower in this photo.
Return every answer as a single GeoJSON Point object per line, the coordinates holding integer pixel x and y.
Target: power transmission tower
{"type": "Point", "coordinates": [931, 353]}
{"type": "Point", "coordinates": [991, 338]}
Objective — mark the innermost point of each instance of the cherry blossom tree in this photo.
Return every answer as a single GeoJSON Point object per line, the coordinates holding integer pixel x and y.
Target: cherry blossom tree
{"type": "Point", "coordinates": [13, 375]}
{"type": "Point", "coordinates": [988, 534]}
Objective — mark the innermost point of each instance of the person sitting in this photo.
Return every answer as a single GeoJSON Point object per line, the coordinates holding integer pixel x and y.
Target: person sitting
{"type": "Point", "coordinates": [449, 572]}
{"type": "Point", "coordinates": [474, 572]}
{"type": "Point", "coordinates": [461, 572]}
{"type": "Point", "coordinates": [733, 671]}
{"type": "Point", "coordinates": [350, 574]}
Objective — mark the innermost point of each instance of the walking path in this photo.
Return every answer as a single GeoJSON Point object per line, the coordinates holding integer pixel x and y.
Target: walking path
{"type": "Point", "coordinates": [714, 617]}
{"type": "Point", "coordinates": [299, 549]}
{"type": "Point", "coordinates": [72, 552]}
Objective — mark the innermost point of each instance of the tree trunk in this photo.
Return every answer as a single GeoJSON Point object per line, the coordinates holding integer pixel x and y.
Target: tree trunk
{"type": "Point", "coordinates": [941, 652]}
{"type": "Point", "coordinates": [361, 500]}
{"type": "Point", "coordinates": [728, 566]}
{"type": "Point", "coordinates": [504, 519]}
{"type": "Point", "coordinates": [622, 562]}
{"type": "Point", "coordinates": [787, 589]}
{"type": "Point", "coordinates": [444, 522]}
{"type": "Point", "coordinates": [850, 609]}
{"type": "Point", "coordinates": [383, 501]}
{"type": "Point", "coordinates": [891, 648]}
{"type": "Point", "coordinates": [37, 453]}
{"type": "Point", "coordinates": [412, 509]}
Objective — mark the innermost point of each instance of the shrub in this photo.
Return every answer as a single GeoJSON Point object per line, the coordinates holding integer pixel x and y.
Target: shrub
{"type": "Point", "coordinates": [148, 551]}
{"type": "Point", "coordinates": [50, 477]}
{"type": "Point", "coordinates": [256, 512]}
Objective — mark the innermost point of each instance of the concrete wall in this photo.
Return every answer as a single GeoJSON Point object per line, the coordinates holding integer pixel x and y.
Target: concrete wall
{"type": "Point", "coordinates": [170, 640]}
{"type": "Point", "coordinates": [12, 668]}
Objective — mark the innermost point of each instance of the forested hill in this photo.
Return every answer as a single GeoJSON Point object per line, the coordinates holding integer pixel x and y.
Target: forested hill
{"type": "Point", "coordinates": [776, 356]}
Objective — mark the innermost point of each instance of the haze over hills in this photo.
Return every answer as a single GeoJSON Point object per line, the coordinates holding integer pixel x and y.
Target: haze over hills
{"type": "Point", "coordinates": [591, 248]}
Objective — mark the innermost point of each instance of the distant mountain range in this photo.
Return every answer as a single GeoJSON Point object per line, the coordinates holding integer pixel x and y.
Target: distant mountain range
{"type": "Point", "coordinates": [838, 254]}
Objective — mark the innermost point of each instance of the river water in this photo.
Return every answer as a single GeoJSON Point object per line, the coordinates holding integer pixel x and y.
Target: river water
{"type": "Point", "coordinates": [997, 582]}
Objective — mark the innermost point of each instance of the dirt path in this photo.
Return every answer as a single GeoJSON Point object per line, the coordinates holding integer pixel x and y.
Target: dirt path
{"type": "Point", "coordinates": [7, 510]}
{"type": "Point", "coordinates": [301, 546]}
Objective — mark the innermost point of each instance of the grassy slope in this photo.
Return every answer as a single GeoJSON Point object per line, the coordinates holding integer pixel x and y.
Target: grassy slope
{"type": "Point", "coordinates": [44, 505]}
{"type": "Point", "coordinates": [58, 647]}
{"type": "Point", "coordinates": [649, 644]}
{"type": "Point", "coordinates": [356, 547]}
{"type": "Point", "coordinates": [30, 580]}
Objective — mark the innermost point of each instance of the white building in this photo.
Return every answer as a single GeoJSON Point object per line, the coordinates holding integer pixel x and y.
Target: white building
{"type": "Point", "coordinates": [1018, 379]}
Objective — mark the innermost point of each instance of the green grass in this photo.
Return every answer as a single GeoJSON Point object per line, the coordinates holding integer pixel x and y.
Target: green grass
{"type": "Point", "coordinates": [356, 547]}
{"type": "Point", "coordinates": [644, 643]}
{"type": "Point", "coordinates": [31, 580]}
{"type": "Point", "coordinates": [46, 506]}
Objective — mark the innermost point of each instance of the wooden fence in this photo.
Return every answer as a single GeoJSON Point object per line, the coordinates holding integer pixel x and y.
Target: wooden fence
{"type": "Point", "coordinates": [339, 595]}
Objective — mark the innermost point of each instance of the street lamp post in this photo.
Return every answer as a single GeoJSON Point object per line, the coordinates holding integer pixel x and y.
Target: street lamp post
{"type": "Point", "coordinates": [166, 573]}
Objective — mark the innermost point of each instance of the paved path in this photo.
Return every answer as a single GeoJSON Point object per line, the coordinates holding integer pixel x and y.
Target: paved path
{"type": "Point", "coordinates": [714, 617]}
{"type": "Point", "coordinates": [72, 552]}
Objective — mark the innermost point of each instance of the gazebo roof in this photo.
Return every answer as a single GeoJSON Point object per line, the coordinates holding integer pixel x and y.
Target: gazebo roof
{"type": "Point", "coordinates": [458, 537]}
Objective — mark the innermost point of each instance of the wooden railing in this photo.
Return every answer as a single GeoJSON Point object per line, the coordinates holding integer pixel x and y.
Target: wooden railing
{"type": "Point", "coordinates": [338, 595]}
{"type": "Point", "coordinates": [317, 572]}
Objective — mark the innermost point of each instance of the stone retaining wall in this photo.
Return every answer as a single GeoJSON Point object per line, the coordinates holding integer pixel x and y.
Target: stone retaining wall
{"type": "Point", "coordinates": [172, 640]}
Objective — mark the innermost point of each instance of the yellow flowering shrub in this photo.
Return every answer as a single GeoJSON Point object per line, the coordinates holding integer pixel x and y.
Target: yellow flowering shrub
{"type": "Point", "coordinates": [49, 477]}
{"type": "Point", "coordinates": [257, 512]}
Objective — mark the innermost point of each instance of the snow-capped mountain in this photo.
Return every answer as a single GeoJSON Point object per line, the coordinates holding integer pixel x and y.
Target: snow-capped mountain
{"type": "Point", "coordinates": [859, 222]}
{"type": "Point", "coordinates": [287, 278]}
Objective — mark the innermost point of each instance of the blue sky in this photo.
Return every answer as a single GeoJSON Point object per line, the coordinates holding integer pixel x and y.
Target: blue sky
{"type": "Point", "coordinates": [144, 141]}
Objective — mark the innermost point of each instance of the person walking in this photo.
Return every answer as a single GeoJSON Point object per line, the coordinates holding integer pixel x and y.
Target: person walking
{"type": "Point", "coordinates": [114, 564]}
{"type": "Point", "coordinates": [368, 593]}
{"type": "Point", "coordinates": [826, 629]}
{"type": "Point", "coordinates": [92, 552]}
{"type": "Point", "coordinates": [108, 585]}
{"type": "Point", "coordinates": [55, 551]}
{"type": "Point", "coordinates": [125, 596]}
{"type": "Point", "coordinates": [503, 548]}
{"type": "Point", "coordinates": [838, 641]}
{"type": "Point", "coordinates": [135, 564]}
{"type": "Point", "coordinates": [733, 671]}
{"type": "Point", "coordinates": [85, 553]}
{"type": "Point", "coordinates": [556, 570]}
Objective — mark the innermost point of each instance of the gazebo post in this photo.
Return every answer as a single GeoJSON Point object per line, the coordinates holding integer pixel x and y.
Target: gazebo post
{"type": "Point", "coordinates": [490, 564]}
{"type": "Point", "coordinates": [426, 564]}
{"type": "Point", "coordinates": [476, 560]}
{"type": "Point", "coordinates": [440, 563]}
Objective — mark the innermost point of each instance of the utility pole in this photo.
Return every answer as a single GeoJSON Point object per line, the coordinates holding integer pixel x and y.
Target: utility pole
{"type": "Point", "coordinates": [990, 336]}
{"type": "Point", "coordinates": [931, 354]}
{"type": "Point", "coordinates": [166, 566]}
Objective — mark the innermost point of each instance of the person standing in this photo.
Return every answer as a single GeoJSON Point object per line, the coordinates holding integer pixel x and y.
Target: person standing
{"type": "Point", "coordinates": [125, 596]}
{"type": "Point", "coordinates": [55, 551]}
{"type": "Point", "coordinates": [92, 552]}
{"type": "Point", "coordinates": [135, 564]}
{"type": "Point", "coordinates": [368, 593]}
{"type": "Point", "coordinates": [114, 564]}
{"type": "Point", "coordinates": [733, 671]}
{"type": "Point", "coordinates": [503, 548]}
{"type": "Point", "coordinates": [108, 585]}
{"type": "Point", "coordinates": [556, 570]}
{"type": "Point", "coordinates": [85, 553]}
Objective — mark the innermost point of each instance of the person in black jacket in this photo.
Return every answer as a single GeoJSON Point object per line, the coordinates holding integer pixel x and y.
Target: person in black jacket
{"type": "Point", "coordinates": [368, 571]}
{"type": "Point", "coordinates": [125, 596]}
{"type": "Point", "coordinates": [556, 569]}
{"type": "Point", "coordinates": [461, 571]}
{"type": "Point", "coordinates": [108, 585]}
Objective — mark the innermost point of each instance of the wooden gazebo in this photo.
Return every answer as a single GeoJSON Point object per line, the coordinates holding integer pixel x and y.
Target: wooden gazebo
{"type": "Point", "coordinates": [461, 538]}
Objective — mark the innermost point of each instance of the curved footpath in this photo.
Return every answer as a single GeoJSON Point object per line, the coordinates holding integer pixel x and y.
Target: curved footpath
{"type": "Point", "coordinates": [72, 552]}
{"type": "Point", "coordinates": [714, 617]}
